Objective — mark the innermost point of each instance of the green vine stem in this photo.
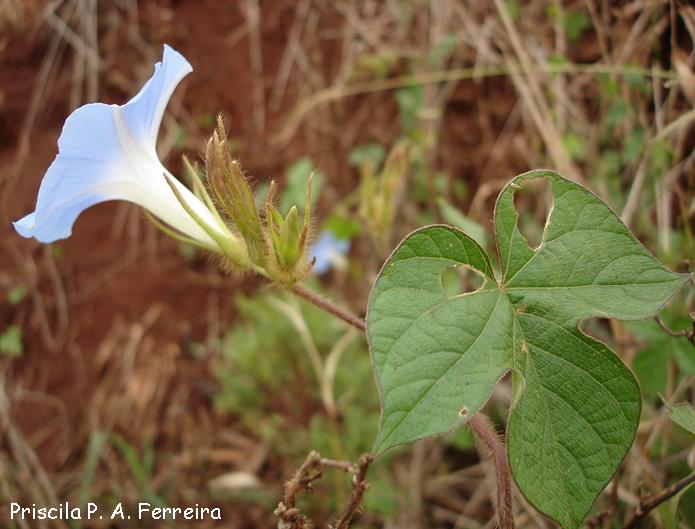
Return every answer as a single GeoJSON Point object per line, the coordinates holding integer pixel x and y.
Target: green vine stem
{"type": "Point", "coordinates": [329, 306]}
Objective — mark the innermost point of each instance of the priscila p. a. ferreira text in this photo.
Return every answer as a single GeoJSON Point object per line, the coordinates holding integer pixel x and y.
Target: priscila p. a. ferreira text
{"type": "Point", "coordinates": [92, 511]}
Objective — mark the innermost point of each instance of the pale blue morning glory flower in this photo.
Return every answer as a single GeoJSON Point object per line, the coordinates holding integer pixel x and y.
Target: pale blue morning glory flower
{"type": "Point", "coordinates": [108, 152]}
{"type": "Point", "coordinates": [328, 251]}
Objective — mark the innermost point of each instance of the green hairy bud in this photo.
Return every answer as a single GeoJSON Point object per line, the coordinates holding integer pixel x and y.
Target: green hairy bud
{"type": "Point", "coordinates": [286, 238]}
{"type": "Point", "coordinates": [233, 193]}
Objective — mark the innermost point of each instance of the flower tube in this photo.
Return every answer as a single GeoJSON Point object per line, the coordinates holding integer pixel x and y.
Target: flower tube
{"type": "Point", "coordinates": [108, 152]}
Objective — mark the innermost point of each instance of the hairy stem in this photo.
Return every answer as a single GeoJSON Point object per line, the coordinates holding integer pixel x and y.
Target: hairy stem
{"type": "Point", "coordinates": [329, 306]}
{"type": "Point", "coordinates": [644, 509]}
{"type": "Point", "coordinates": [486, 433]}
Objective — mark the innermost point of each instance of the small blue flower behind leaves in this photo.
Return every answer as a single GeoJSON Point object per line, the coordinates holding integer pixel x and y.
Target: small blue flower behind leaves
{"type": "Point", "coordinates": [329, 252]}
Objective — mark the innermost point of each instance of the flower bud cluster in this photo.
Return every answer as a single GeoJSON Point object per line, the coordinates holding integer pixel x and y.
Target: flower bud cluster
{"type": "Point", "coordinates": [275, 246]}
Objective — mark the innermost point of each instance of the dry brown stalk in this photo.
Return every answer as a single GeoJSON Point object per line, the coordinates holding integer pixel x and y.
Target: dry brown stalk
{"type": "Point", "coordinates": [646, 507]}
{"type": "Point", "coordinates": [311, 470]}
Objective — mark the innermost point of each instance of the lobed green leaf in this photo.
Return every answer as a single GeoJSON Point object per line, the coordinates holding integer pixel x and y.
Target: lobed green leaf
{"type": "Point", "coordinates": [437, 357]}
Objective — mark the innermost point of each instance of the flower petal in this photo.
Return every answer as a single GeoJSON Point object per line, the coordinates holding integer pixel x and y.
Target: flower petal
{"type": "Point", "coordinates": [25, 225]}
{"type": "Point", "coordinates": [107, 152]}
{"type": "Point", "coordinates": [144, 112]}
